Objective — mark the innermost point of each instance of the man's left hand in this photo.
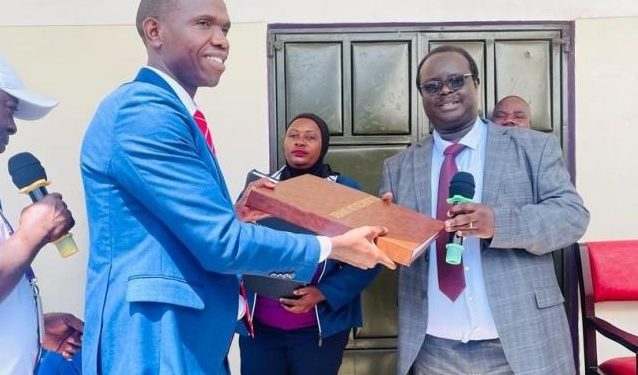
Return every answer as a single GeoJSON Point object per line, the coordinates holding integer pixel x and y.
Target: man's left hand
{"type": "Point", "coordinates": [245, 213]}
{"type": "Point", "coordinates": [62, 334]}
{"type": "Point", "coordinates": [471, 219]}
{"type": "Point", "coordinates": [310, 296]}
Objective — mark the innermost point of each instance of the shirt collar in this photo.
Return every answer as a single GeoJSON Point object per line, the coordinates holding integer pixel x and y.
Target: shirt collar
{"type": "Point", "coordinates": [183, 96]}
{"type": "Point", "coordinates": [471, 140]}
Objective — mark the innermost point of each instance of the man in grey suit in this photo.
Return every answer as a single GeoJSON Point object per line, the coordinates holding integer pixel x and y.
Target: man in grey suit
{"type": "Point", "coordinates": [507, 316]}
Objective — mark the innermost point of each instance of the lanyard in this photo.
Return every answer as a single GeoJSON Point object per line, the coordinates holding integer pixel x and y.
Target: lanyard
{"type": "Point", "coordinates": [33, 282]}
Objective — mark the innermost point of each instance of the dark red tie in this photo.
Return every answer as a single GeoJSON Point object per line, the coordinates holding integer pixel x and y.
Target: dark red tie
{"type": "Point", "coordinates": [200, 120]}
{"type": "Point", "coordinates": [451, 278]}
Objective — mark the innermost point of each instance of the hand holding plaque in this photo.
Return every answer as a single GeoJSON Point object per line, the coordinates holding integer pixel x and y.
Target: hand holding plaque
{"type": "Point", "coordinates": [338, 209]}
{"type": "Point", "coordinates": [357, 247]}
{"type": "Point", "coordinates": [254, 179]}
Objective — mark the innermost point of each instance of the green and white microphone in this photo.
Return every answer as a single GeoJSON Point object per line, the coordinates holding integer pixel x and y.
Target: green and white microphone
{"type": "Point", "coordinates": [462, 189]}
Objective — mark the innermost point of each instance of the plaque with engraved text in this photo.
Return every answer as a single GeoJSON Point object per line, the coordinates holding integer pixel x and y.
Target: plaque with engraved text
{"type": "Point", "coordinates": [329, 208]}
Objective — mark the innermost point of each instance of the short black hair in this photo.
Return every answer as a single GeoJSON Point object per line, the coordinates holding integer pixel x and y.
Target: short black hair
{"type": "Point", "coordinates": [150, 8]}
{"type": "Point", "coordinates": [449, 48]}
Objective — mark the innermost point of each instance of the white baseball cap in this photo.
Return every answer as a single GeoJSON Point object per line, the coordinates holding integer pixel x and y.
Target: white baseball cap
{"type": "Point", "coordinates": [31, 106]}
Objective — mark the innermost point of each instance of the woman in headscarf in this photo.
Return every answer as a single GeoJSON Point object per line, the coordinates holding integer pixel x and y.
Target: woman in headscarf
{"type": "Point", "coordinates": [306, 334]}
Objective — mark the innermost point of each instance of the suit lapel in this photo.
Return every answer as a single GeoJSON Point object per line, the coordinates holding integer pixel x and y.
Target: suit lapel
{"type": "Point", "coordinates": [148, 76]}
{"type": "Point", "coordinates": [421, 164]}
{"type": "Point", "coordinates": [496, 147]}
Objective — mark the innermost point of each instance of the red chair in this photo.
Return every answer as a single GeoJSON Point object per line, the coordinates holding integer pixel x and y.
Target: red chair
{"type": "Point", "coordinates": [608, 272]}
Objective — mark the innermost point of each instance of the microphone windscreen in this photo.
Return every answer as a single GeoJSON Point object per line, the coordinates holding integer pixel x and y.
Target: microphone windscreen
{"type": "Point", "coordinates": [25, 169]}
{"type": "Point", "coordinates": [462, 184]}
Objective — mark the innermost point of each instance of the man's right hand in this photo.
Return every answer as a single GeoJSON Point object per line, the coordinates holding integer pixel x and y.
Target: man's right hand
{"type": "Point", "coordinates": [356, 247]}
{"type": "Point", "coordinates": [45, 221]}
{"type": "Point", "coordinates": [40, 223]}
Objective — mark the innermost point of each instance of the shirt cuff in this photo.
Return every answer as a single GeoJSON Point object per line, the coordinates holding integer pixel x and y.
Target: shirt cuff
{"type": "Point", "coordinates": [241, 309]}
{"type": "Point", "coordinates": [325, 246]}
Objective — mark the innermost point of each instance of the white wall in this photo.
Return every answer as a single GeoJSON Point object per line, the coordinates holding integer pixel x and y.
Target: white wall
{"type": "Point", "coordinates": [78, 64]}
{"type": "Point", "coordinates": [117, 12]}
{"type": "Point", "coordinates": [78, 69]}
{"type": "Point", "coordinates": [606, 79]}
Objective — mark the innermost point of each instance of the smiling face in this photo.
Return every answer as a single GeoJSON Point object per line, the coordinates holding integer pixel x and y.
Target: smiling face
{"type": "Point", "coordinates": [188, 41]}
{"type": "Point", "coordinates": [302, 144]}
{"type": "Point", "coordinates": [451, 112]}
{"type": "Point", "coordinates": [8, 105]}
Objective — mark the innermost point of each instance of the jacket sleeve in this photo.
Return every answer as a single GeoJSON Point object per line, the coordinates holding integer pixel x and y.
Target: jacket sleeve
{"type": "Point", "coordinates": [341, 287]}
{"type": "Point", "coordinates": [157, 161]}
{"type": "Point", "coordinates": [556, 218]}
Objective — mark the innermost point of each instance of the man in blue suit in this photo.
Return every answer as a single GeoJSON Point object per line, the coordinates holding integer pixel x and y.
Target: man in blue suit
{"type": "Point", "coordinates": [165, 242]}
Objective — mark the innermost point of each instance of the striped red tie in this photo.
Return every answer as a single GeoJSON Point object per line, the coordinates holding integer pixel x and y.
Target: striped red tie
{"type": "Point", "coordinates": [200, 120]}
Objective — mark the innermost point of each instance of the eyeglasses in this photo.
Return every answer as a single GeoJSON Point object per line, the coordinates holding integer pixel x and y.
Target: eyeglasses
{"type": "Point", "coordinates": [453, 82]}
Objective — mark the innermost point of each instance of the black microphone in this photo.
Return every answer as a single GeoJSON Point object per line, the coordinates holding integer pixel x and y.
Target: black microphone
{"type": "Point", "coordinates": [29, 176]}
{"type": "Point", "coordinates": [461, 191]}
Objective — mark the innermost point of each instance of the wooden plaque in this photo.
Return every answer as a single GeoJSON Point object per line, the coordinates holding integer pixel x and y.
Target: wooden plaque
{"type": "Point", "coordinates": [329, 208]}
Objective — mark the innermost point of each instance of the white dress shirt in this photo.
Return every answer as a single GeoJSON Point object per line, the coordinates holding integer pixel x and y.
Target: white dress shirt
{"type": "Point", "coordinates": [469, 317]}
{"type": "Point", "coordinates": [18, 326]}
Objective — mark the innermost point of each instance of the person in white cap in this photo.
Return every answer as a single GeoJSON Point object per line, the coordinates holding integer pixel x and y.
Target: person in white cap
{"type": "Point", "coordinates": [40, 223]}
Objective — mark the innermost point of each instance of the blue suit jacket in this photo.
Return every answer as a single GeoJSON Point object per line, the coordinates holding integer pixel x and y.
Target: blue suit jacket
{"type": "Point", "coordinates": [54, 364]}
{"type": "Point", "coordinates": [165, 245]}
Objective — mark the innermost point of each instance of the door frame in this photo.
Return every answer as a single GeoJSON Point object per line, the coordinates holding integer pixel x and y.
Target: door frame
{"type": "Point", "coordinates": [569, 275]}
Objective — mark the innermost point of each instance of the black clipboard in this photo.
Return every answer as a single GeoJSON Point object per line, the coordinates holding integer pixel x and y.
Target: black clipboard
{"type": "Point", "coordinates": [272, 287]}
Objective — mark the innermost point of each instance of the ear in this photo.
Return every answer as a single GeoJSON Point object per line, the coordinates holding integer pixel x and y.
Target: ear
{"type": "Point", "coordinates": [477, 81]}
{"type": "Point", "coordinates": [152, 32]}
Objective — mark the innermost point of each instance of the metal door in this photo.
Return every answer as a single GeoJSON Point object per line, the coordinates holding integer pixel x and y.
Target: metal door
{"type": "Point", "coordinates": [361, 81]}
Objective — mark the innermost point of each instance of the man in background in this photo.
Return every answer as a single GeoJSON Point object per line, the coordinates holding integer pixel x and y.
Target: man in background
{"type": "Point", "coordinates": [500, 311]}
{"type": "Point", "coordinates": [512, 111]}
{"type": "Point", "coordinates": [40, 223]}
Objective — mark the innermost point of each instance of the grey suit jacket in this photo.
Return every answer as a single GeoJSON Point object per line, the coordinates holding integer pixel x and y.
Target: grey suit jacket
{"type": "Point", "coordinates": [537, 211]}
